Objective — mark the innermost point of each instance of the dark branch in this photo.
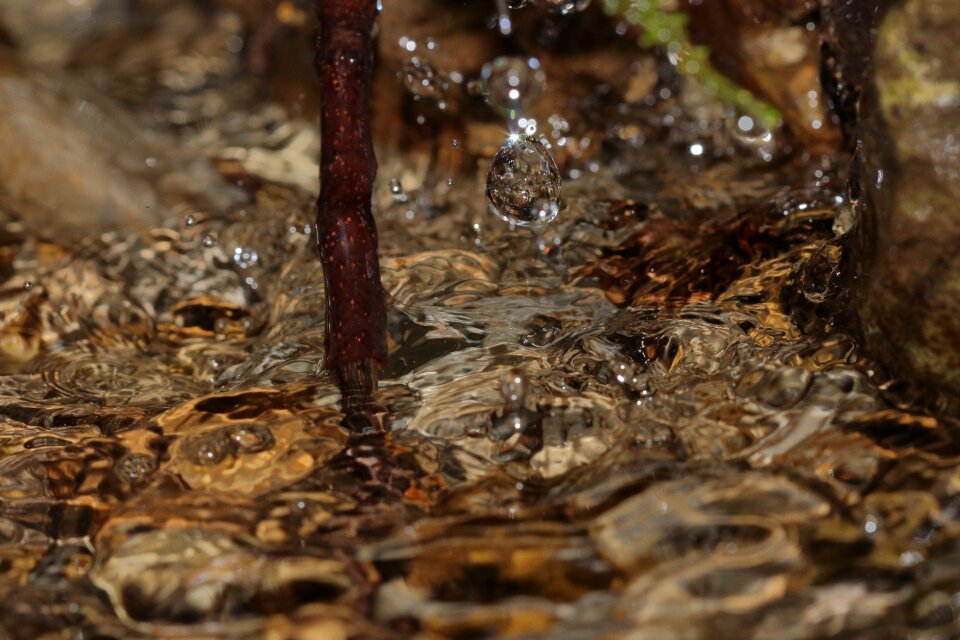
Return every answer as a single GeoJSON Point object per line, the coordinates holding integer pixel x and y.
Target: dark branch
{"type": "Point", "coordinates": [346, 233]}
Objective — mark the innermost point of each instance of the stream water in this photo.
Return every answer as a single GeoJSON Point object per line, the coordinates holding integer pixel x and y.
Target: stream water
{"type": "Point", "coordinates": [605, 427]}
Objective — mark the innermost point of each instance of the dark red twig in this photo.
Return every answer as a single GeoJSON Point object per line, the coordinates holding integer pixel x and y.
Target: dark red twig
{"type": "Point", "coordinates": [346, 233]}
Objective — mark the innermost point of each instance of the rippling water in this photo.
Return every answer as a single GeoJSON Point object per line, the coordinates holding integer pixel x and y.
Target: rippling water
{"type": "Point", "coordinates": [609, 428]}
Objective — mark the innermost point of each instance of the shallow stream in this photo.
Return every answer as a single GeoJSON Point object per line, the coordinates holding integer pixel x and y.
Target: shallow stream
{"type": "Point", "coordinates": [606, 427]}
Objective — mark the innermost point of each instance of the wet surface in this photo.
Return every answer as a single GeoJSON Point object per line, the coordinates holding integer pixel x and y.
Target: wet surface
{"type": "Point", "coordinates": [605, 427]}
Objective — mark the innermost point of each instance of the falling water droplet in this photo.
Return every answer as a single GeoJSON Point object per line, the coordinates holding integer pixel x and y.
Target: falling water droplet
{"type": "Point", "coordinates": [566, 7]}
{"type": "Point", "coordinates": [512, 83]}
{"type": "Point", "coordinates": [422, 80]}
{"type": "Point", "coordinates": [523, 184]}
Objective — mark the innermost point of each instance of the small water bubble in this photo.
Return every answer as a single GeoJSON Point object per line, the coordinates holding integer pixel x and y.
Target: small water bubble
{"type": "Point", "coordinates": [455, 143]}
{"type": "Point", "coordinates": [28, 284]}
{"type": "Point", "coordinates": [245, 257]}
{"type": "Point", "coordinates": [753, 136]}
{"type": "Point", "coordinates": [189, 221]}
{"type": "Point", "coordinates": [513, 389]}
{"type": "Point", "coordinates": [422, 80]}
{"type": "Point", "coordinates": [234, 44]}
{"type": "Point", "coordinates": [151, 162]}
{"type": "Point", "coordinates": [209, 241]}
{"type": "Point", "coordinates": [566, 7]}
{"type": "Point", "coordinates": [208, 449]}
{"type": "Point", "coordinates": [252, 438]}
{"type": "Point", "coordinates": [523, 184]}
{"type": "Point", "coordinates": [135, 467]}
{"type": "Point", "coordinates": [397, 190]}
{"type": "Point", "coordinates": [513, 417]}
{"type": "Point", "coordinates": [512, 83]}
{"type": "Point", "coordinates": [221, 326]}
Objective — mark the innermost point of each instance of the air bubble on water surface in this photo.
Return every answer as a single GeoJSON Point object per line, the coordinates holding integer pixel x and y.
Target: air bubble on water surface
{"type": "Point", "coordinates": [523, 184]}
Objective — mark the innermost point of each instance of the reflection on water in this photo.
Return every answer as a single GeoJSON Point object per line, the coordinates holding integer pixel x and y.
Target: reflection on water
{"type": "Point", "coordinates": [609, 427]}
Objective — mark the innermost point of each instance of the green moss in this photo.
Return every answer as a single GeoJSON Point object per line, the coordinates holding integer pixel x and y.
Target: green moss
{"type": "Point", "coordinates": [668, 29]}
{"type": "Point", "coordinates": [907, 79]}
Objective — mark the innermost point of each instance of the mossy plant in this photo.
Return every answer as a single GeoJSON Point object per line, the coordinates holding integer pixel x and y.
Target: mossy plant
{"type": "Point", "coordinates": [668, 29]}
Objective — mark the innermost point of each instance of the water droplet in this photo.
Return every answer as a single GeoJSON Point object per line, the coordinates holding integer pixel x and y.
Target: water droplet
{"type": "Point", "coordinates": [28, 284]}
{"type": "Point", "coordinates": [208, 241]}
{"type": "Point", "coordinates": [513, 389]}
{"type": "Point", "coordinates": [566, 7]}
{"type": "Point", "coordinates": [221, 326]}
{"type": "Point", "coordinates": [512, 83]}
{"type": "Point", "coordinates": [208, 449]}
{"type": "Point", "coordinates": [189, 221]}
{"type": "Point", "coordinates": [422, 80]}
{"type": "Point", "coordinates": [399, 195]}
{"type": "Point", "coordinates": [252, 438]}
{"type": "Point", "coordinates": [151, 162]}
{"type": "Point", "coordinates": [455, 143]}
{"type": "Point", "coordinates": [753, 136]}
{"type": "Point", "coordinates": [135, 467]}
{"type": "Point", "coordinates": [523, 184]}
{"type": "Point", "coordinates": [245, 257]}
